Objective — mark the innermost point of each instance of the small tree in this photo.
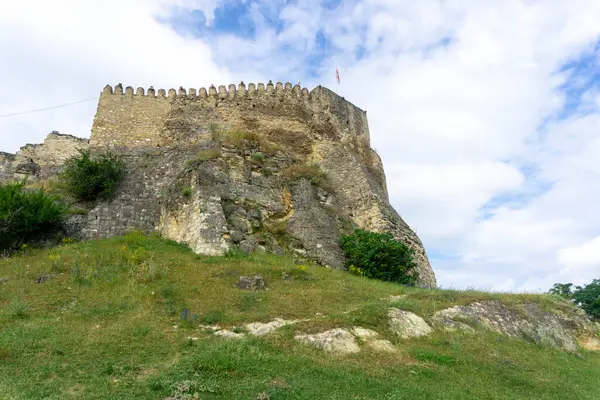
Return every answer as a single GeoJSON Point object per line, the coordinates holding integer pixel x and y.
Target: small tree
{"type": "Point", "coordinates": [88, 178]}
{"type": "Point", "coordinates": [563, 290]}
{"type": "Point", "coordinates": [586, 297]}
{"type": "Point", "coordinates": [26, 215]}
{"type": "Point", "coordinates": [379, 256]}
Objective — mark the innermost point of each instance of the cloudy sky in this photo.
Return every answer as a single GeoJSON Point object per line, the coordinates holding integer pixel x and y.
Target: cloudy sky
{"type": "Point", "coordinates": [486, 113]}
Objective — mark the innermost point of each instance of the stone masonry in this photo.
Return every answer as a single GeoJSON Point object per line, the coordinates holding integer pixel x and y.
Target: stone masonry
{"type": "Point", "coordinates": [213, 203]}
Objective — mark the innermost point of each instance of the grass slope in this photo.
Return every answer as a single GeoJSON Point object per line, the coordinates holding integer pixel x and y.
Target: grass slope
{"type": "Point", "coordinates": [102, 327]}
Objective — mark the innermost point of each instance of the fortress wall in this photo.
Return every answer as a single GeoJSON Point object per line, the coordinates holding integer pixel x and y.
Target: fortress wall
{"type": "Point", "coordinates": [349, 119]}
{"type": "Point", "coordinates": [128, 118]}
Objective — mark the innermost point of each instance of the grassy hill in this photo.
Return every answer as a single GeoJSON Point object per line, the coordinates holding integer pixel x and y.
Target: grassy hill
{"type": "Point", "coordinates": [105, 322]}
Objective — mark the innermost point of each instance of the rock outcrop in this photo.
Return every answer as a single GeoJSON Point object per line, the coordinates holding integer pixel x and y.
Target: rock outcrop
{"type": "Point", "coordinates": [336, 341]}
{"type": "Point", "coordinates": [269, 168]}
{"type": "Point", "coordinates": [566, 330]}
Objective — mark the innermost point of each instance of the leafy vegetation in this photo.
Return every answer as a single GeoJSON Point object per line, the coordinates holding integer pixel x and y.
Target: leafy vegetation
{"type": "Point", "coordinates": [187, 191]}
{"type": "Point", "coordinates": [89, 178]}
{"type": "Point", "coordinates": [27, 214]}
{"type": "Point", "coordinates": [587, 296]}
{"type": "Point", "coordinates": [100, 330]}
{"type": "Point", "coordinates": [379, 256]}
{"type": "Point", "coordinates": [258, 157]}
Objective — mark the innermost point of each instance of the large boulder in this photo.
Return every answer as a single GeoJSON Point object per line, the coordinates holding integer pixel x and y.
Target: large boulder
{"type": "Point", "coordinates": [566, 329]}
{"type": "Point", "coordinates": [407, 324]}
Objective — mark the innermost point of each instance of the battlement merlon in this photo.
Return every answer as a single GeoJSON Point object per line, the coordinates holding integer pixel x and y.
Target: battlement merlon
{"type": "Point", "coordinates": [154, 118]}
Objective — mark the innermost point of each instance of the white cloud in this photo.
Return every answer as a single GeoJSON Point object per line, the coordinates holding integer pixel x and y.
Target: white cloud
{"type": "Point", "coordinates": [67, 50]}
{"type": "Point", "coordinates": [441, 118]}
{"type": "Point", "coordinates": [581, 262]}
{"type": "Point", "coordinates": [460, 95]}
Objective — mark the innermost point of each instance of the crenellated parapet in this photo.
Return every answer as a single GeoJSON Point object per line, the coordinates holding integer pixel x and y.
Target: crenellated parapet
{"type": "Point", "coordinates": [140, 117]}
{"type": "Point", "coordinates": [220, 92]}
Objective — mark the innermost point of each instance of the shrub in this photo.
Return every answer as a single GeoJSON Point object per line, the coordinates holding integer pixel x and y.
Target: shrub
{"type": "Point", "coordinates": [90, 178]}
{"type": "Point", "coordinates": [237, 137]}
{"type": "Point", "coordinates": [379, 256]}
{"type": "Point", "coordinates": [311, 172]}
{"type": "Point", "coordinates": [586, 297]}
{"type": "Point", "coordinates": [26, 215]}
{"type": "Point", "coordinates": [258, 156]}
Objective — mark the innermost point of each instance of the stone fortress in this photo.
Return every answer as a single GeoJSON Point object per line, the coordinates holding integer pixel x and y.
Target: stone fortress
{"type": "Point", "coordinates": [210, 168]}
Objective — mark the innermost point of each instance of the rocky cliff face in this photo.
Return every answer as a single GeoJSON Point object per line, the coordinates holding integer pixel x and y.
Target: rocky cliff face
{"type": "Point", "coordinates": [267, 173]}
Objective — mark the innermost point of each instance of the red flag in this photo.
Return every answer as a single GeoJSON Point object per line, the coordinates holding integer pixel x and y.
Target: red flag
{"type": "Point", "coordinates": [337, 74]}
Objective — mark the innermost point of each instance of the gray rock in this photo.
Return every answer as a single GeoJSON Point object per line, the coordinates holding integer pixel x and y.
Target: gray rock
{"type": "Point", "coordinates": [370, 338]}
{"type": "Point", "coordinates": [285, 276]}
{"type": "Point", "coordinates": [3, 281]}
{"type": "Point", "coordinates": [246, 247]}
{"type": "Point", "coordinates": [28, 168]}
{"type": "Point", "coordinates": [236, 237]}
{"type": "Point", "coordinates": [276, 249]}
{"type": "Point", "coordinates": [565, 330]}
{"type": "Point", "coordinates": [42, 278]}
{"type": "Point", "coordinates": [384, 346]}
{"type": "Point", "coordinates": [263, 396]}
{"type": "Point", "coordinates": [261, 329]}
{"type": "Point", "coordinates": [407, 324]}
{"type": "Point", "coordinates": [335, 341]}
{"type": "Point", "coordinates": [252, 283]}
{"type": "Point", "coordinates": [364, 333]}
{"type": "Point", "coordinates": [229, 334]}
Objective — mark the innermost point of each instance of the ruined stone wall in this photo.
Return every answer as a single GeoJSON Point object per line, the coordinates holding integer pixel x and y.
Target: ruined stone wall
{"type": "Point", "coordinates": [171, 119]}
{"type": "Point", "coordinates": [6, 161]}
{"type": "Point", "coordinates": [40, 161]}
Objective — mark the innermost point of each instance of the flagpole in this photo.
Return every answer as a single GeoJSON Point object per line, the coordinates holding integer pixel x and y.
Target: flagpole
{"type": "Point", "coordinates": [337, 75]}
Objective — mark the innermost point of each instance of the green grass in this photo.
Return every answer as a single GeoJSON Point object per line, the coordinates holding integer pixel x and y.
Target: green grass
{"type": "Point", "coordinates": [103, 328]}
{"type": "Point", "coordinates": [204, 155]}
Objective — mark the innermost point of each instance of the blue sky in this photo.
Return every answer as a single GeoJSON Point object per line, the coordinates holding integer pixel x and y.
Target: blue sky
{"type": "Point", "coordinates": [486, 114]}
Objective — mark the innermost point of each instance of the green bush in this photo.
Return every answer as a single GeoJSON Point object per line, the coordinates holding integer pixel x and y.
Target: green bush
{"type": "Point", "coordinates": [90, 178]}
{"type": "Point", "coordinates": [258, 157]}
{"type": "Point", "coordinates": [586, 297]}
{"type": "Point", "coordinates": [379, 256]}
{"type": "Point", "coordinates": [26, 215]}
{"type": "Point", "coordinates": [187, 191]}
